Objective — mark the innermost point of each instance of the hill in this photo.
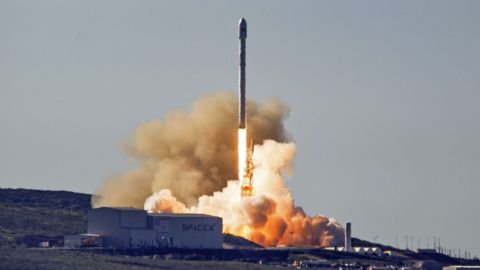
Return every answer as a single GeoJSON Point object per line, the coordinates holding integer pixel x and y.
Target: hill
{"type": "Point", "coordinates": [28, 216]}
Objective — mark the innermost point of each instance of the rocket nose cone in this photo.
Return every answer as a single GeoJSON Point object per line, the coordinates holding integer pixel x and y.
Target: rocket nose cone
{"type": "Point", "coordinates": [242, 28]}
{"type": "Point", "coordinates": [242, 22]}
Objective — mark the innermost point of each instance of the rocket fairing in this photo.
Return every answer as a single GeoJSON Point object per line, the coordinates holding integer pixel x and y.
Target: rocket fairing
{"type": "Point", "coordinates": [242, 35]}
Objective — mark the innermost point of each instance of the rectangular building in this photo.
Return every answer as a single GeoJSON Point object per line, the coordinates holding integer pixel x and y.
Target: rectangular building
{"type": "Point", "coordinates": [135, 228]}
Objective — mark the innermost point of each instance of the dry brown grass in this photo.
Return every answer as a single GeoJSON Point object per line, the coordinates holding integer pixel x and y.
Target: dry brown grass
{"type": "Point", "coordinates": [58, 259]}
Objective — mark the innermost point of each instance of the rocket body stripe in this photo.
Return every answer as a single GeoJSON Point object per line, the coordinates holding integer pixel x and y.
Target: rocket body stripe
{"type": "Point", "coordinates": [242, 35]}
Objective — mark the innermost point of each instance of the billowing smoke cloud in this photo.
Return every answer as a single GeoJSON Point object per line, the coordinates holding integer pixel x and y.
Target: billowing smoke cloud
{"type": "Point", "coordinates": [191, 154]}
{"type": "Point", "coordinates": [269, 217]}
{"type": "Point", "coordinates": [187, 160]}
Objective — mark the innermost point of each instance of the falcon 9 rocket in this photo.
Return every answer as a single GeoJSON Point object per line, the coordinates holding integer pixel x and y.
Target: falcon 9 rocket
{"type": "Point", "coordinates": [245, 163]}
{"type": "Point", "coordinates": [242, 35]}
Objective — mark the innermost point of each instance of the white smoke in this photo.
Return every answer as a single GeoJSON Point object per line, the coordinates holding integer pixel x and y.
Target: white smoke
{"type": "Point", "coordinates": [269, 217]}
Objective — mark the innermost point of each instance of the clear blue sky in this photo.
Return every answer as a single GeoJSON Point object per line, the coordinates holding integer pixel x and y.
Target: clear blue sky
{"type": "Point", "coordinates": [384, 98]}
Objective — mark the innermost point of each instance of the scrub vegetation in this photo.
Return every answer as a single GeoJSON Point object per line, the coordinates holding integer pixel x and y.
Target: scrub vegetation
{"type": "Point", "coordinates": [57, 259]}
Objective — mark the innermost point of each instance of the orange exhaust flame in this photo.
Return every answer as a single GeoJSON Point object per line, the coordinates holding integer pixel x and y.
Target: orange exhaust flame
{"type": "Point", "coordinates": [245, 164]}
{"type": "Point", "coordinates": [242, 152]}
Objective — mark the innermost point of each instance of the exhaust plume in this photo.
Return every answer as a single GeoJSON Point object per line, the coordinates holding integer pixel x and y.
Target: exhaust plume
{"type": "Point", "coordinates": [191, 154]}
{"type": "Point", "coordinates": [188, 164]}
{"type": "Point", "coordinates": [268, 217]}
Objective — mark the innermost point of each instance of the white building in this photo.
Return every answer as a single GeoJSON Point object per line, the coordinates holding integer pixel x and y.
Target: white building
{"type": "Point", "coordinates": [360, 250]}
{"type": "Point", "coordinates": [135, 228]}
{"type": "Point", "coordinates": [368, 250]}
{"type": "Point", "coordinates": [462, 267]}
